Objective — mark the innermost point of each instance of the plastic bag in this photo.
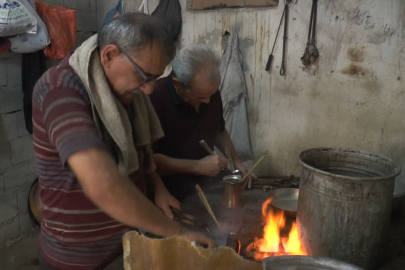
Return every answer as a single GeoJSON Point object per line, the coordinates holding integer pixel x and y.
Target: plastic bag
{"type": "Point", "coordinates": [113, 13]}
{"type": "Point", "coordinates": [28, 43]}
{"type": "Point", "coordinates": [15, 18]}
{"type": "Point", "coordinates": [169, 13]}
{"type": "Point", "coordinates": [61, 24]}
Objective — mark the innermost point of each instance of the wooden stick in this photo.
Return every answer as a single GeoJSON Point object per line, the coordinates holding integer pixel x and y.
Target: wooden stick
{"type": "Point", "coordinates": [206, 204]}
{"type": "Point", "coordinates": [254, 166]}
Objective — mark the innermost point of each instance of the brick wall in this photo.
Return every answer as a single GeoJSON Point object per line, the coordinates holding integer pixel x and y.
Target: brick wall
{"type": "Point", "coordinates": [17, 163]}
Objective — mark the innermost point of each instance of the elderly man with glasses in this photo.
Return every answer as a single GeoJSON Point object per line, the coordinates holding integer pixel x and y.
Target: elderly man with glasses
{"type": "Point", "coordinates": [189, 107]}
{"type": "Point", "coordinates": [93, 129]}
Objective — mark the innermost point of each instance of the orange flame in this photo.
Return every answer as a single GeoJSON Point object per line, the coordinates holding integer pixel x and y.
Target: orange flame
{"type": "Point", "coordinates": [272, 244]}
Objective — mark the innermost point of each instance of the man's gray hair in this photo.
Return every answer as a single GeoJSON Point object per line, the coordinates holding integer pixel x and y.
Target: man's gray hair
{"type": "Point", "coordinates": [191, 59]}
{"type": "Point", "coordinates": [132, 32]}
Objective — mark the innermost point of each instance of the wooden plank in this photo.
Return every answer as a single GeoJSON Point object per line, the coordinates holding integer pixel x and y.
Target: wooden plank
{"type": "Point", "coordinates": [210, 4]}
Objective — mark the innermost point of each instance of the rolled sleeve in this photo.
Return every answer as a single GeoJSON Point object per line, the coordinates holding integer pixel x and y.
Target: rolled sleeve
{"type": "Point", "coordinates": [69, 123]}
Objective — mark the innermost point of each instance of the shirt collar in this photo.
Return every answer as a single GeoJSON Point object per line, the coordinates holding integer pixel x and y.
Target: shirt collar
{"type": "Point", "coordinates": [173, 93]}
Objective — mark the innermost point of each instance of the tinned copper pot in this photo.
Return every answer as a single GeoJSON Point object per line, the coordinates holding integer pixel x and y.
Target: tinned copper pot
{"type": "Point", "coordinates": [232, 196]}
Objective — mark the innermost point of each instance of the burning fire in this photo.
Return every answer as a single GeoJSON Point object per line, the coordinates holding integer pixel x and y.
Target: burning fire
{"type": "Point", "coordinates": [272, 244]}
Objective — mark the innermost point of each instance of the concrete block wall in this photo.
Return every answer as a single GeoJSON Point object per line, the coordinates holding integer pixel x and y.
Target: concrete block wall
{"type": "Point", "coordinates": [17, 162]}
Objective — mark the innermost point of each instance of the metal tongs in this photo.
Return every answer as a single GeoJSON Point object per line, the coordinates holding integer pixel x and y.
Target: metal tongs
{"type": "Point", "coordinates": [188, 219]}
{"type": "Point", "coordinates": [209, 150]}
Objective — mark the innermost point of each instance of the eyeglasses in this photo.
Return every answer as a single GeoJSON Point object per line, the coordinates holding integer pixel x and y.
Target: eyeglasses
{"type": "Point", "coordinates": [145, 78]}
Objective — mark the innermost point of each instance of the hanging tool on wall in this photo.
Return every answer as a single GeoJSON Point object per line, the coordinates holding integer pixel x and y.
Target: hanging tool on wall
{"type": "Point", "coordinates": [274, 44]}
{"type": "Point", "coordinates": [311, 52]}
{"type": "Point", "coordinates": [282, 68]}
{"type": "Point", "coordinates": [285, 16]}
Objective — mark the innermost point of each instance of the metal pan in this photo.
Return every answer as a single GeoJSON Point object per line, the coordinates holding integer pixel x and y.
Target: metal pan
{"type": "Point", "coordinates": [285, 199]}
{"type": "Point", "coordinates": [34, 203]}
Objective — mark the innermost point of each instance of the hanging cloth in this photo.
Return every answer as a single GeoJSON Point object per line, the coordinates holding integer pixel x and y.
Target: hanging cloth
{"type": "Point", "coordinates": [113, 13]}
{"type": "Point", "coordinates": [144, 6]}
{"type": "Point", "coordinates": [233, 93]}
{"type": "Point", "coordinates": [169, 13]}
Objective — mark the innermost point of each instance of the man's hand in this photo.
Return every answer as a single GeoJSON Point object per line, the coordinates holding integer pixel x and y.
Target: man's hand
{"type": "Point", "coordinates": [248, 181]}
{"type": "Point", "coordinates": [199, 237]}
{"type": "Point", "coordinates": [211, 165]}
{"type": "Point", "coordinates": [164, 200]}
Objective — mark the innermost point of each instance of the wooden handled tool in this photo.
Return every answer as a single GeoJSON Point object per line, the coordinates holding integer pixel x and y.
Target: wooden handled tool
{"type": "Point", "coordinates": [182, 217]}
{"type": "Point", "coordinates": [206, 204]}
{"type": "Point", "coordinates": [254, 166]}
{"type": "Point", "coordinates": [229, 157]}
{"type": "Point", "coordinates": [206, 147]}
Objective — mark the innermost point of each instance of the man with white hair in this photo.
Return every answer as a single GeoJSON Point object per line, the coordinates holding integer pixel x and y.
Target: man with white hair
{"type": "Point", "coordinates": [189, 108]}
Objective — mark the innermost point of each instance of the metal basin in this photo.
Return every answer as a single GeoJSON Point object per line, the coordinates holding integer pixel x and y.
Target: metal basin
{"type": "Point", "coordinates": [285, 199]}
{"type": "Point", "coordinates": [305, 263]}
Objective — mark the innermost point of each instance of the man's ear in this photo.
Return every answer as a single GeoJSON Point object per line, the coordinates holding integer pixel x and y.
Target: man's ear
{"type": "Point", "coordinates": [108, 54]}
{"type": "Point", "coordinates": [177, 84]}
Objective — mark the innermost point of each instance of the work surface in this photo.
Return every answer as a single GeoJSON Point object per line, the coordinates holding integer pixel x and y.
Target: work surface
{"type": "Point", "coordinates": [247, 222]}
{"type": "Point", "coordinates": [24, 254]}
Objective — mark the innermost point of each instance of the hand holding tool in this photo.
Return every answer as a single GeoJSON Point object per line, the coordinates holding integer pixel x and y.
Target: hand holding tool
{"type": "Point", "coordinates": [188, 219]}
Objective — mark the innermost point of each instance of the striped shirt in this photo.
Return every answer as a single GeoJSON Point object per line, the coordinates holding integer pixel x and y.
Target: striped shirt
{"type": "Point", "coordinates": [75, 234]}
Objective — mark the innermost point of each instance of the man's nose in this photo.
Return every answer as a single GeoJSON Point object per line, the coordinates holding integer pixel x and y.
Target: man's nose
{"type": "Point", "coordinates": [148, 88]}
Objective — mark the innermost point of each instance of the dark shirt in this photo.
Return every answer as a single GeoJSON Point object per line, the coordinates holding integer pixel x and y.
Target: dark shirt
{"type": "Point", "coordinates": [184, 127]}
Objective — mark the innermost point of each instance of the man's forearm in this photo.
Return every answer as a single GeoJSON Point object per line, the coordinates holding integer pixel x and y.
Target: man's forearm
{"type": "Point", "coordinates": [116, 195]}
{"type": "Point", "coordinates": [167, 166]}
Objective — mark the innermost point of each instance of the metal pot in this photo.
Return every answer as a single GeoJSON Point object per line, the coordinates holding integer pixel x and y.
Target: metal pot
{"type": "Point", "coordinates": [398, 201]}
{"type": "Point", "coordinates": [344, 205]}
{"type": "Point", "coordinates": [34, 203]}
{"type": "Point", "coordinates": [232, 195]}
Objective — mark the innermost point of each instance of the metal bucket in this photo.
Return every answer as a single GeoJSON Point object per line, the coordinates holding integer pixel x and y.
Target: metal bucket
{"type": "Point", "coordinates": [304, 262]}
{"type": "Point", "coordinates": [344, 204]}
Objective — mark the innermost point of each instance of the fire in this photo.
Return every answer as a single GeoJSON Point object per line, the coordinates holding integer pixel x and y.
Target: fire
{"type": "Point", "coordinates": [272, 243]}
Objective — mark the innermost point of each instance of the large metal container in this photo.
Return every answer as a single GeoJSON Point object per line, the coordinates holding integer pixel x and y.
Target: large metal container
{"type": "Point", "coordinates": [344, 204]}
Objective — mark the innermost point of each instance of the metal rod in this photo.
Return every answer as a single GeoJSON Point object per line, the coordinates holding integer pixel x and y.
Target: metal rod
{"type": "Point", "coordinates": [274, 44]}
{"type": "Point", "coordinates": [282, 68]}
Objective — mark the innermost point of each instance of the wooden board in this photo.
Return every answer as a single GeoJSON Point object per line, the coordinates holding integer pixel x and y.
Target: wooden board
{"type": "Point", "coordinates": [141, 252]}
{"type": "Point", "coordinates": [210, 4]}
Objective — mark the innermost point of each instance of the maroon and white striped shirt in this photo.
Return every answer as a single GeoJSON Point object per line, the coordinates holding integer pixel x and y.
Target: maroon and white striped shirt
{"type": "Point", "coordinates": [75, 234]}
